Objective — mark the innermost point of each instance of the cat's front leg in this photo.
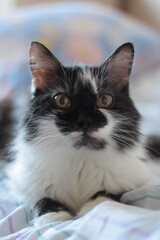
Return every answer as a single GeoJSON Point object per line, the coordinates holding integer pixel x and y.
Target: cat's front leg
{"type": "Point", "coordinates": [95, 200]}
{"type": "Point", "coordinates": [48, 210]}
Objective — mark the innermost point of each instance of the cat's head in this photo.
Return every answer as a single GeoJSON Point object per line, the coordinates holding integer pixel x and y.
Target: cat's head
{"type": "Point", "coordinates": [88, 106]}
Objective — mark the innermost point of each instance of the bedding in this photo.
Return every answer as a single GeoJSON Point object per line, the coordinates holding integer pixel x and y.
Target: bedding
{"type": "Point", "coordinates": [108, 220]}
{"type": "Point", "coordinates": [86, 33]}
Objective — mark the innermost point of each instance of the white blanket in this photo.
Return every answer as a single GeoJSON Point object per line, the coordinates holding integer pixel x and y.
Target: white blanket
{"type": "Point", "coordinates": [109, 220]}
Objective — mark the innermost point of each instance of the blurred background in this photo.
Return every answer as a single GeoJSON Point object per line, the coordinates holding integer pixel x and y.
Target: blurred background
{"type": "Point", "coordinates": [145, 10]}
{"type": "Point", "coordinates": [82, 31]}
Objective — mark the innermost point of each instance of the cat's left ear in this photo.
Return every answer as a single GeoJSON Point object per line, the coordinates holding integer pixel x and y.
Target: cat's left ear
{"type": "Point", "coordinates": [119, 66]}
{"type": "Point", "coordinates": [45, 67]}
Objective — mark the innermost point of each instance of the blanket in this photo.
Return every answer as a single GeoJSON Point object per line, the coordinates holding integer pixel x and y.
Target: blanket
{"type": "Point", "coordinates": [108, 220]}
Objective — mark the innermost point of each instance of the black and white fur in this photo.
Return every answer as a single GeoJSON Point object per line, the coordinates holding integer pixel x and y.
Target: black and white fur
{"type": "Point", "coordinates": [64, 157]}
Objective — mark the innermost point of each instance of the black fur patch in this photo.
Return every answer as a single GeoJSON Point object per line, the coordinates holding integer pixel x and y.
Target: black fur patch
{"type": "Point", "coordinates": [90, 142]}
{"type": "Point", "coordinates": [153, 147]}
{"type": "Point", "coordinates": [46, 205]}
{"type": "Point", "coordinates": [127, 132]}
{"type": "Point", "coordinates": [107, 195]}
{"type": "Point", "coordinates": [6, 128]}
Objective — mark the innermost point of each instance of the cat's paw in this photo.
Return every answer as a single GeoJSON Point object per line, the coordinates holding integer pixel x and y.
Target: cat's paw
{"type": "Point", "coordinates": [52, 217]}
{"type": "Point", "coordinates": [88, 206]}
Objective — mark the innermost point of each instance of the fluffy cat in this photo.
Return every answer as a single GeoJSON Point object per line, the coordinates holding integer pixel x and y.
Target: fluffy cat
{"type": "Point", "coordinates": [80, 140]}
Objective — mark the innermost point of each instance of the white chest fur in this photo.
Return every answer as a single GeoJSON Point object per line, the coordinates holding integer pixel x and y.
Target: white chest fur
{"type": "Point", "coordinates": [73, 176]}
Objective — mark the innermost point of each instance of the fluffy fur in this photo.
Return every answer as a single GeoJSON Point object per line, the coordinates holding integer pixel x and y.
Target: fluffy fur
{"type": "Point", "coordinates": [70, 155]}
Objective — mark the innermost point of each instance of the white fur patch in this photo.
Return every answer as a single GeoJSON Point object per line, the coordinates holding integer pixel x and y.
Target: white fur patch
{"type": "Point", "coordinates": [88, 77]}
{"type": "Point", "coordinates": [51, 217]}
{"type": "Point", "coordinates": [51, 167]}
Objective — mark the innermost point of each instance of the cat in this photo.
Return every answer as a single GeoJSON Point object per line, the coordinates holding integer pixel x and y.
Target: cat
{"type": "Point", "coordinates": [80, 141]}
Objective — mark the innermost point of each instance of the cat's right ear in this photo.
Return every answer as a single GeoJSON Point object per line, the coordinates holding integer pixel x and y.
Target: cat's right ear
{"type": "Point", "coordinates": [118, 66]}
{"type": "Point", "coordinates": [44, 67]}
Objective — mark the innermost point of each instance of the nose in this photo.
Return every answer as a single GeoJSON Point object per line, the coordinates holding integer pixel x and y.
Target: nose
{"type": "Point", "coordinates": [84, 122]}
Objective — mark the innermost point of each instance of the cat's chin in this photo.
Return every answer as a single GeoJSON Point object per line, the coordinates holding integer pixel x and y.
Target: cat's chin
{"type": "Point", "coordinates": [87, 141]}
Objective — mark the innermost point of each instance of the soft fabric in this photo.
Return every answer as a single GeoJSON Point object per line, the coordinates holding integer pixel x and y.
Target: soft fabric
{"type": "Point", "coordinates": [146, 197]}
{"type": "Point", "coordinates": [108, 220]}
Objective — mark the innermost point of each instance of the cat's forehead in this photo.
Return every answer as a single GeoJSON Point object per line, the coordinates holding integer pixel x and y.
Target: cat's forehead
{"type": "Point", "coordinates": [76, 79]}
{"type": "Point", "coordinates": [81, 77]}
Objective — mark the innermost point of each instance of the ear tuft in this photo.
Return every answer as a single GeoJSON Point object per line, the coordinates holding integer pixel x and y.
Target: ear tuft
{"type": "Point", "coordinates": [123, 56]}
{"type": "Point", "coordinates": [44, 67]}
{"type": "Point", "coordinates": [38, 50]}
{"type": "Point", "coordinates": [119, 65]}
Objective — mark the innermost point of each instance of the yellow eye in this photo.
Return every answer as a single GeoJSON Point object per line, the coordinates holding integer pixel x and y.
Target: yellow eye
{"type": "Point", "coordinates": [105, 101]}
{"type": "Point", "coordinates": [62, 101]}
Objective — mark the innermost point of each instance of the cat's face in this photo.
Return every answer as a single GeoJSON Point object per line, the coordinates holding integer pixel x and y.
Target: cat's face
{"type": "Point", "coordinates": [89, 106]}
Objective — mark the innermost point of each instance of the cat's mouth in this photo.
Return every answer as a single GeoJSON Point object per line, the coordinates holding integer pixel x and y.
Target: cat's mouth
{"type": "Point", "coordinates": [86, 140]}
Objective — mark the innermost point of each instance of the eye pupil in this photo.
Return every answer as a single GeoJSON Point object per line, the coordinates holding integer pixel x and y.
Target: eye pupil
{"type": "Point", "coordinates": [62, 100]}
{"type": "Point", "coordinates": [104, 100]}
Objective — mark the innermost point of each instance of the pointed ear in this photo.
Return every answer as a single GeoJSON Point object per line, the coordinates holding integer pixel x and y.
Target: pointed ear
{"type": "Point", "coordinates": [44, 67]}
{"type": "Point", "coordinates": [119, 66]}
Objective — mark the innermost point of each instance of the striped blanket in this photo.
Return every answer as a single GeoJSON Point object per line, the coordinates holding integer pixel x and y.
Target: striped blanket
{"type": "Point", "coordinates": [109, 220]}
